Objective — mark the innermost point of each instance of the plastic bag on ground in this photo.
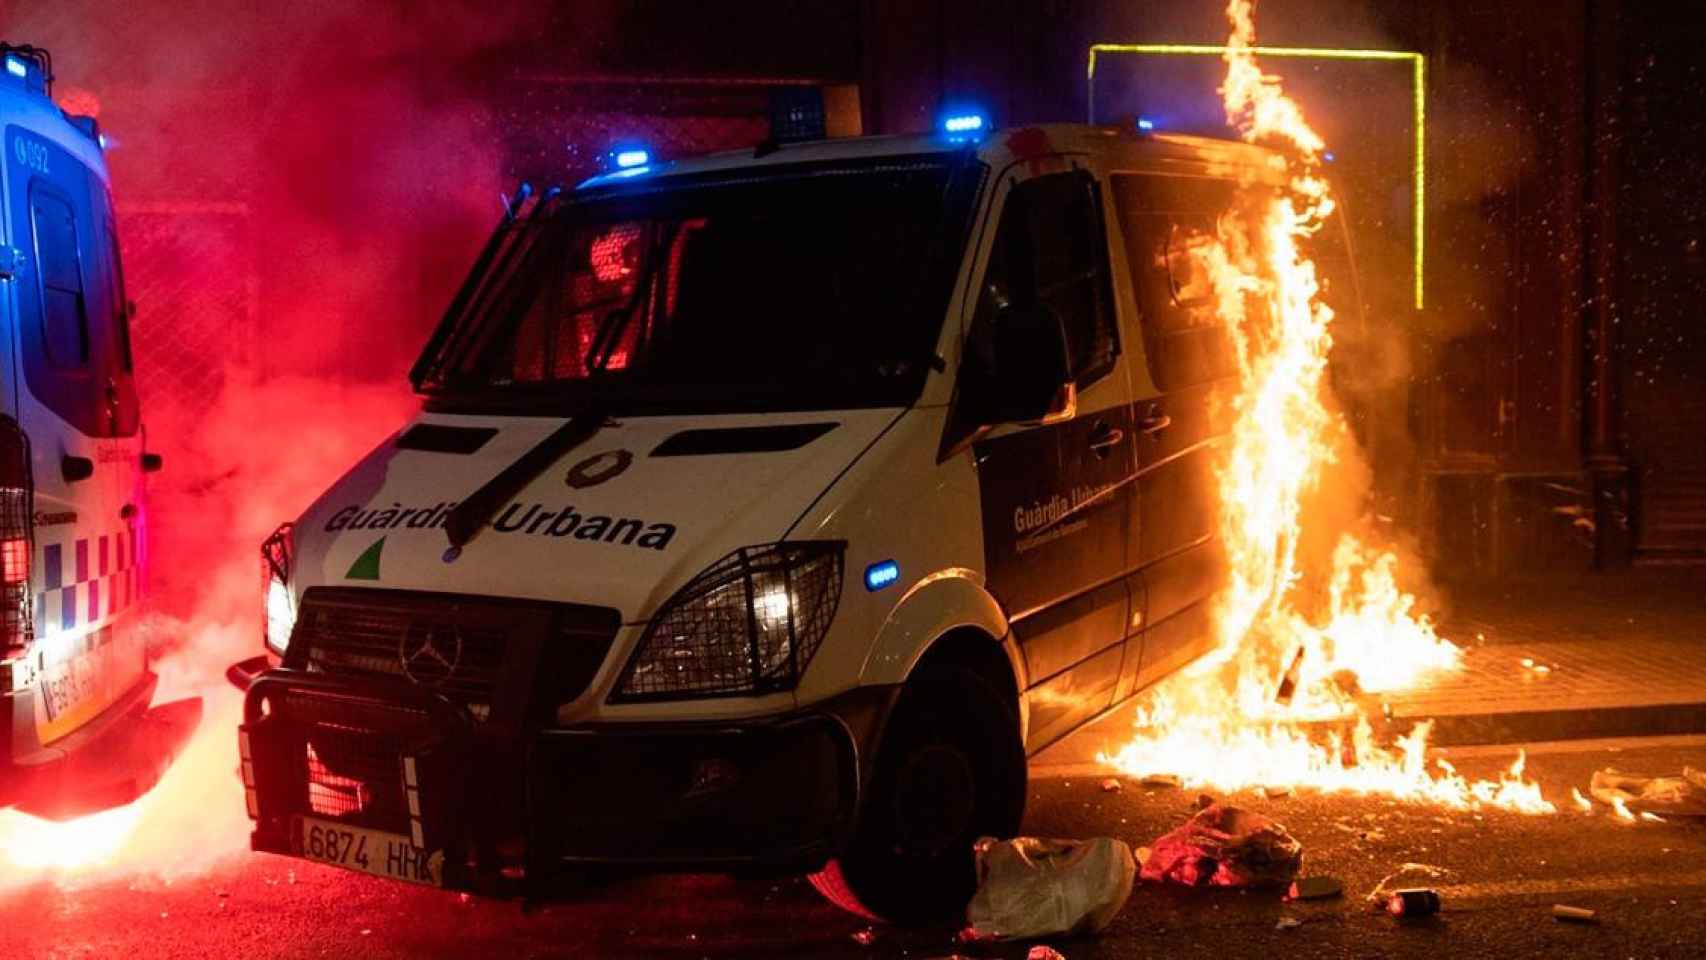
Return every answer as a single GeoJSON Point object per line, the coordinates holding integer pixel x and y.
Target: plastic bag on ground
{"type": "Point", "coordinates": [1029, 887]}
{"type": "Point", "coordinates": [1225, 847]}
{"type": "Point", "coordinates": [1678, 796]}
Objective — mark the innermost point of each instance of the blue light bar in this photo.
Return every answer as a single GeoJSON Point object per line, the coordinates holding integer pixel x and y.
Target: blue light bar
{"type": "Point", "coordinates": [963, 123]}
{"type": "Point", "coordinates": [880, 575]}
{"type": "Point", "coordinates": [626, 159]}
{"type": "Point", "coordinates": [16, 67]}
{"type": "Point", "coordinates": [1145, 124]}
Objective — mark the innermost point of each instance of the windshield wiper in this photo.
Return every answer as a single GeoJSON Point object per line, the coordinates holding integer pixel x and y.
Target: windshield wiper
{"type": "Point", "coordinates": [468, 517]}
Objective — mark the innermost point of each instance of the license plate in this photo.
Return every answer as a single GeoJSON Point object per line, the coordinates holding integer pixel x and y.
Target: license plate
{"type": "Point", "coordinates": [382, 854]}
{"type": "Point", "coordinates": [66, 686]}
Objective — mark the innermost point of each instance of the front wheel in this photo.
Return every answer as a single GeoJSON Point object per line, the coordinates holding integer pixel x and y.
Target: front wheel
{"type": "Point", "coordinates": [951, 769]}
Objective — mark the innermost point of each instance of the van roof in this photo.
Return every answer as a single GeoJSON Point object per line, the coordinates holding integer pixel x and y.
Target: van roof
{"type": "Point", "coordinates": [999, 148]}
{"type": "Point", "coordinates": [41, 116]}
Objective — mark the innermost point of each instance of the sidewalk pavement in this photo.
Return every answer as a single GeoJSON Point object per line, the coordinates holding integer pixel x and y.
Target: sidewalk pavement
{"type": "Point", "coordinates": [1602, 655]}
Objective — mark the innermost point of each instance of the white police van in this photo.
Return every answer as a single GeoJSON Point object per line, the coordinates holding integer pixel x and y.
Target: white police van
{"type": "Point", "coordinates": [74, 677]}
{"type": "Point", "coordinates": [766, 509]}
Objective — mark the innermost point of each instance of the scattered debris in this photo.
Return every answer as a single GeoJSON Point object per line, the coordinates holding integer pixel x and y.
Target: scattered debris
{"type": "Point", "coordinates": [1573, 914]}
{"type": "Point", "coordinates": [1582, 803]}
{"type": "Point", "coordinates": [1288, 923]}
{"type": "Point", "coordinates": [1044, 952]}
{"type": "Point", "coordinates": [1037, 888]}
{"type": "Point", "coordinates": [1111, 785]}
{"type": "Point", "coordinates": [1225, 846]}
{"type": "Point", "coordinates": [1170, 780]}
{"type": "Point", "coordinates": [1683, 796]}
{"type": "Point", "coordinates": [865, 937]}
{"type": "Point", "coordinates": [1406, 874]}
{"type": "Point", "coordinates": [1362, 833]}
{"type": "Point", "coordinates": [1413, 902]}
{"type": "Point", "coordinates": [1315, 888]}
{"type": "Point", "coordinates": [1204, 801]}
{"type": "Point", "coordinates": [1274, 792]}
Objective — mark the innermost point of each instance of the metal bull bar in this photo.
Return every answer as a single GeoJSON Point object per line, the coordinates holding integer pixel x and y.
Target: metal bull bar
{"type": "Point", "coordinates": [382, 755]}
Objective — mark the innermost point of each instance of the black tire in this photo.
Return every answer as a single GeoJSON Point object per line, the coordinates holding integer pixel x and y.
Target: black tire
{"type": "Point", "coordinates": [951, 769]}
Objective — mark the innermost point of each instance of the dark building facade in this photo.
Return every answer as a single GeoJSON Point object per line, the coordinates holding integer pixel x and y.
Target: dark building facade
{"type": "Point", "coordinates": [1544, 409]}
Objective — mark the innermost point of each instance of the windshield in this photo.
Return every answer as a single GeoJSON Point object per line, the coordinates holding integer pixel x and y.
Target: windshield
{"type": "Point", "coordinates": [791, 288]}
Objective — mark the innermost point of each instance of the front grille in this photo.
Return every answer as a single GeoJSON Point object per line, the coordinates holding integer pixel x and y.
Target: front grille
{"type": "Point", "coordinates": [474, 651]}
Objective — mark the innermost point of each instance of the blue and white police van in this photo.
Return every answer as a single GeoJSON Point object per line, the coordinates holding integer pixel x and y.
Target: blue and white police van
{"type": "Point", "coordinates": [75, 684]}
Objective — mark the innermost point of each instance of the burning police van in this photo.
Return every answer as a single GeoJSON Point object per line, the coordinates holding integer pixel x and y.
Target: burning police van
{"type": "Point", "coordinates": [766, 510]}
{"type": "Point", "coordinates": [75, 684]}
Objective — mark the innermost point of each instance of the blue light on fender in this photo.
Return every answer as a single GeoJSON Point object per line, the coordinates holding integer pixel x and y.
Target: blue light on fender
{"type": "Point", "coordinates": [880, 575]}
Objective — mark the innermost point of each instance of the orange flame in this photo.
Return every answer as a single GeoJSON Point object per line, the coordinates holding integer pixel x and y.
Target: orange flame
{"type": "Point", "coordinates": [1219, 722]}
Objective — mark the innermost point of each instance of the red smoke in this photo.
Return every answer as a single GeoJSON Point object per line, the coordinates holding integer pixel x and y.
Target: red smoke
{"type": "Point", "coordinates": [300, 187]}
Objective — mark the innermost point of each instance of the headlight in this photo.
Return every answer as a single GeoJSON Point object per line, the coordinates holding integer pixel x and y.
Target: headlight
{"type": "Point", "coordinates": [747, 625]}
{"type": "Point", "coordinates": [278, 553]}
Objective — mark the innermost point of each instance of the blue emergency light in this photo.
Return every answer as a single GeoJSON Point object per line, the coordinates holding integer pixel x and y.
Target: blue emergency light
{"type": "Point", "coordinates": [16, 67]}
{"type": "Point", "coordinates": [632, 157]}
{"type": "Point", "coordinates": [966, 123]}
{"type": "Point", "coordinates": [1145, 124]}
{"type": "Point", "coordinates": [880, 575]}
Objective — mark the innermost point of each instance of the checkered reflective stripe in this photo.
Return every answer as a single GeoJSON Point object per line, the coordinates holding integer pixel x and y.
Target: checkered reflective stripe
{"type": "Point", "coordinates": [85, 581]}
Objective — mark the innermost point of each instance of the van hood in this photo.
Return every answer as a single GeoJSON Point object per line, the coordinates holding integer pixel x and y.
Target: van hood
{"type": "Point", "coordinates": [621, 520]}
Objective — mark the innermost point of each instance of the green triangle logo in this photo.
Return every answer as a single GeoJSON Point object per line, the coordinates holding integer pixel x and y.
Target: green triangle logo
{"type": "Point", "coordinates": [366, 566]}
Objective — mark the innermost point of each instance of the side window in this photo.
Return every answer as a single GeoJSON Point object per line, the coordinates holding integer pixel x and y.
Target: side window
{"type": "Point", "coordinates": [121, 303]}
{"type": "Point", "coordinates": [1170, 224]}
{"type": "Point", "coordinates": [1051, 247]}
{"type": "Point", "coordinates": [64, 309]}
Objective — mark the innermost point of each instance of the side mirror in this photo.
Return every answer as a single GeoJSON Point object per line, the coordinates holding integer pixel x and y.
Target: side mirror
{"type": "Point", "coordinates": [1031, 378]}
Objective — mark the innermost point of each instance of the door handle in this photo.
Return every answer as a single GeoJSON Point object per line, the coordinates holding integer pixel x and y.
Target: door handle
{"type": "Point", "coordinates": [74, 469]}
{"type": "Point", "coordinates": [1154, 423]}
{"type": "Point", "coordinates": [1105, 437]}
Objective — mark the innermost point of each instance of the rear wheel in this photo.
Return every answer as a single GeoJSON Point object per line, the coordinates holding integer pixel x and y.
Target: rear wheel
{"type": "Point", "coordinates": [951, 769]}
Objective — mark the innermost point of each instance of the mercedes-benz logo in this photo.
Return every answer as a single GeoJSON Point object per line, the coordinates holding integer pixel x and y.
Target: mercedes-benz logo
{"type": "Point", "coordinates": [430, 652]}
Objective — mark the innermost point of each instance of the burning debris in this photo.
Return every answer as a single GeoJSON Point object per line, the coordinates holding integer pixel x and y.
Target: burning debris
{"type": "Point", "coordinates": [1304, 635]}
{"type": "Point", "coordinates": [1648, 797]}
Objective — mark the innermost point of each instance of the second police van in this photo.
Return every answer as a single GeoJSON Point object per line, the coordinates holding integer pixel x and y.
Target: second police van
{"type": "Point", "coordinates": [766, 510]}
{"type": "Point", "coordinates": [76, 729]}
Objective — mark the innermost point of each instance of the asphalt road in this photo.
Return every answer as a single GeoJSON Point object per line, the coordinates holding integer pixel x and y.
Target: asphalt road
{"type": "Point", "coordinates": [1647, 881]}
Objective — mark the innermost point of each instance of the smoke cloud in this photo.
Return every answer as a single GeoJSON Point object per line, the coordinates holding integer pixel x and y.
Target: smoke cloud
{"type": "Point", "coordinates": [300, 188]}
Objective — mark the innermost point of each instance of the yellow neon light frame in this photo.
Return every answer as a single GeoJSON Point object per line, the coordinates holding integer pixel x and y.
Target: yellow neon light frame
{"type": "Point", "coordinates": [1419, 83]}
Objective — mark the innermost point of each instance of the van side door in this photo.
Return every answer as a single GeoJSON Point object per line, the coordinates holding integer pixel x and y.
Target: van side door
{"type": "Point", "coordinates": [1057, 499]}
{"type": "Point", "coordinates": [1183, 378]}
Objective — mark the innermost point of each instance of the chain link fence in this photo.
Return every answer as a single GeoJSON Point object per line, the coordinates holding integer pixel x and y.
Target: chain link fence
{"type": "Point", "coordinates": [190, 267]}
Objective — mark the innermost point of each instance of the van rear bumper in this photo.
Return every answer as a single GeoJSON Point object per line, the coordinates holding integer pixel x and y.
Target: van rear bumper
{"type": "Point", "coordinates": [111, 761]}
{"type": "Point", "coordinates": [514, 811]}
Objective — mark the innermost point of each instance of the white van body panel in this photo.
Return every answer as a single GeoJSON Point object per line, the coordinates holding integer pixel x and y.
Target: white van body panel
{"type": "Point", "coordinates": [691, 510]}
{"type": "Point", "coordinates": [86, 569]}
